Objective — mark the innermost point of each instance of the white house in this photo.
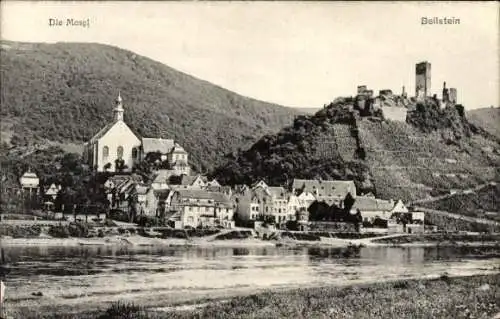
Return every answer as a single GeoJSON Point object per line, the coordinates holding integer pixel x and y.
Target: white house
{"type": "Point", "coordinates": [29, 181]}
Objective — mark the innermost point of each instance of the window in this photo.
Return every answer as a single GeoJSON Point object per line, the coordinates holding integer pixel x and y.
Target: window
{"type": "Point", "coordinates": [105, 153]}
{"type": "Point", "coordinates": [119, 152]}
{"type": "Point", "coordinates": [134, 153]}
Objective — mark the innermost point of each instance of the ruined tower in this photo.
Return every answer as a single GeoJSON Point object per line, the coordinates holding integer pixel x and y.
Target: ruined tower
{"type": "Point", "coordinates": [446, 94]}
{"type": "Point", "coordinates": [453, 95]}
{"type": "Point", "coordinates": [422, 79]}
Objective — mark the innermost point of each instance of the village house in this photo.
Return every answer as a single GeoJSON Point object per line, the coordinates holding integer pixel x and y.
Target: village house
{"type": "Point", "coordinates": [200, 208]}
{"type": "Point", "coordinates": [161, 180]}
{"type": "Point", "coordinates": [372, 208]}
{"type": "Point", "coordinates": [330, 192]}
{"type": "Point", "coordinates": [51, 192]}
{"type": "Point", "coordinates": [158, 202]}
{"type": "Point", "coordinates": [29, 182]}
{"type": "Point", "coordinates": [272, 202]}
{"type": "Point", "coordinates": [269, 203]}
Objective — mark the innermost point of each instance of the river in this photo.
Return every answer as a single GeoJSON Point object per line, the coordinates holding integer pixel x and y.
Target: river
{"type": "Point", "coordinates": [72, 279]}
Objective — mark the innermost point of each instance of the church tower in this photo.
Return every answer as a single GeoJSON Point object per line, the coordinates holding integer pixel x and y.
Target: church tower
{"type": "Point", "coordinates": [118, 110]}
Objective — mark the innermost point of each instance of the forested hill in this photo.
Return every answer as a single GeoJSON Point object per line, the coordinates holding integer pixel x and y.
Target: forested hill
{"type": "Point", "coordinates": [434, 151]}
{"type": "Point", "coordinates": [64, 92]}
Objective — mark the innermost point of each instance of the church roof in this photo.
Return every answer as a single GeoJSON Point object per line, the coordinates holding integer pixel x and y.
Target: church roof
{"type": "Point", "coordinates": [102, 132]}
{"type": "Point", "coordinates": [105, 130]}
{"type": "Point", "coordinates": [150, 145]}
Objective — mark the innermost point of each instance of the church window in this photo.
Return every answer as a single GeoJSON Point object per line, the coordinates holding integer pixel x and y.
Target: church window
{"type": "Point", "coordinates": [105, 153]}
{"type": "Point", "coordinates": [119, 152]}
{"type": "Point", "coordinates": [134, 153]}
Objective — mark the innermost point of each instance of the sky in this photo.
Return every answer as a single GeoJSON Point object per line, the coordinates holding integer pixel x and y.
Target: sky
{"type": "Point", "coordinates": [295, 54]}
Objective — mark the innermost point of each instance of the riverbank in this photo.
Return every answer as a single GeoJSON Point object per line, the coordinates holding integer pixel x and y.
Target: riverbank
{"type": "Point", "coordinates": [442, 297]}
{"type": "Point", "coordinates": [136, 240]}
{"type": "Point", "coordinates": [395, 240]}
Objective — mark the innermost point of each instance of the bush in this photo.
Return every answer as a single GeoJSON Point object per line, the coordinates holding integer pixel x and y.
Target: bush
{"type": "Point", "coordinates": [78, 230]}
{"type": "Point", "coordinates": [59, 231]}
{"type": "Point", "coordinates": [236, 234]}
{"type": "Point", "coordinates": [20, 231]}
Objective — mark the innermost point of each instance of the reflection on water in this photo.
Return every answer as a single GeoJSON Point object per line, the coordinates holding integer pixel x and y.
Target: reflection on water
{"type": "Point", "coordinates": [94, 275]}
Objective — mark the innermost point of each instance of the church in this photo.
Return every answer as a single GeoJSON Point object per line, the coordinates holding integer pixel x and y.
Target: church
{"type": "Point", "coordinates": [117, 148]}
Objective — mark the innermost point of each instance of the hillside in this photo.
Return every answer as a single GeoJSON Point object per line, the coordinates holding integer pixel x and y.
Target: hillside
{"type": "Point", "coordinates": [63, 93]}
{"type": "Point", "coordinates": [481, 204]}
{"type": "Point", "coordinates": [436, 150]}
{"type": "Point", "coordinates": [487, 118]}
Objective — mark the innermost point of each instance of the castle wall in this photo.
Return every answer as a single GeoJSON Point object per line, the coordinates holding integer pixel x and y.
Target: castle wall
{"type": "Point", "coordinates": [395, 113]}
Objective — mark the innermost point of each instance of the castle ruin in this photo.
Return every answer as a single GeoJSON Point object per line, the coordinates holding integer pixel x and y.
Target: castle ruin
{"type": "Point", "coordinates": [422, 80]}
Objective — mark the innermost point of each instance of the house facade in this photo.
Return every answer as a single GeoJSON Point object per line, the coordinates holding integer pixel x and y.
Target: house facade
{"type": "Point", "coordinates": [200, 208]}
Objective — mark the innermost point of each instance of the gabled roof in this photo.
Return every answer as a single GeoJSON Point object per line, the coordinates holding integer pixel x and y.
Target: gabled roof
{"type": "Point", "coordinates": [203, 194]}
{"type": "Point", "coordinates": [163, 175]}
{"type": "Point", "coordinates": [102, 132]}
{"type": "Point", "coordinates": [372, 204]}
{"type": "Point", "coordinates": [150, 145]}
{"type": "Point", "coordinates": [213, 182]}
{"type": "Point", "coordinates": [260, 183]}
{"type": "Point", "coordinates": [325, 188]}
{"type": "Point", "coordinates": [277, 191]}
{"type": "Point", "coordinates": [190, 180]}
{"type": "Point", "coordinates": [221, 189]}
{"type": "Point", "coordinates": [52, 190]}
{"type": "Point", "coordinates": [306, 196]}
{"type": "Point", "coordinates": [178, 149]}
{"type": "Point", "coordinates": [241, 188]}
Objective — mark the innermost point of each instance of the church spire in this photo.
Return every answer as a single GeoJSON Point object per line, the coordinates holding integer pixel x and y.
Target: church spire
{"type": "Point", "coordinates": [118, 110]}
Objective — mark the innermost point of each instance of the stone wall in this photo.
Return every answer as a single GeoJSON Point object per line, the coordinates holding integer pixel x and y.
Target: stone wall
{"type": "Point", "coordinates": [395, 113]}
{"type": "Point", "coordinates": [332, 226]}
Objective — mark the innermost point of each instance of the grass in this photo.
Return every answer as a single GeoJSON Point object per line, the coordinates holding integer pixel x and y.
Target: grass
{"type": "Point", "coordinates": [444, 297]}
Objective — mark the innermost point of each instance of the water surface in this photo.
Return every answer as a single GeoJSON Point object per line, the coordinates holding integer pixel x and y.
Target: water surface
{"type": "Point", "coordinates": [91, 277]}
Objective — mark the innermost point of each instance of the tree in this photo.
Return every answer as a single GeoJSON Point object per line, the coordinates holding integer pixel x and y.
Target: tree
{"type": "Point", "coordinates": [358, 219]}
{"type": "Point", "coordinates": [120, 165]}
{"type": "Point", "coordinates": [318, 211]}
{"type": "Point", "coordinates": [107, 166]}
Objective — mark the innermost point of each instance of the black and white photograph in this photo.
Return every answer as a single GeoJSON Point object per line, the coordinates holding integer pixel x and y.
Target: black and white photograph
{"type": "Point", "coordinates": [249, 159]}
